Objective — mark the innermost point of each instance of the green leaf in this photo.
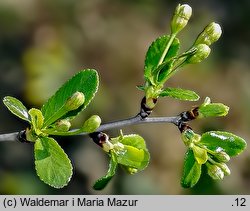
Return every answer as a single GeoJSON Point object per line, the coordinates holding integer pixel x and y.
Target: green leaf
{"type": "Point", "coordinates": [180, 94]}
{"type": "Point", "coordinates": [200, 154]}
{"type": "Point", "coordinates": [191, 170]}
{"type": "Point", "coordinates": [36, 119]}
{"type": "Point", "coordinates": [86, 81]}
{"type": "Point", "coordinates": [17, 108]}
{"type": "Point", "coordinates": [155, 52]}
{"type": "Point", "coordinates": [52, 164]}
{"type": "Point", "coordinates": [212, 110]}
{"type": "Point", "coordinates": [102, 182]}
{"type": "Point", "coordinates": [133, 153]}
{"type": "Point", "coordinates": [228, 142]}
{"type": "Point", "coordinates": [163, 71]}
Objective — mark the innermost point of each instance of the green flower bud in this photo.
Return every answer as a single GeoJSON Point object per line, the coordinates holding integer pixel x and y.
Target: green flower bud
{"type": "Point", "coordinates": [209, 35]}
{"type": "Point", "coordinates": [107, 146]}
{"type": "Point", "coordinates": [91, 124]}
{"type": "Point", "coordinates": [201, 53]}
{"type": "Point", "coordinates": [208, 109]}
{"type": "Point", "coordinates": [189, 137]}
{"type": "Point", "coordinates": [62, 125]}
{"type": "Point", "coordinates": [180, 18]}
{"type": "Point", "coordinates": [75, 101]}
{"type": "Point", "coordinates": [214, 171]}
{"type": "Point", "coordinates": [224, 168]}
{"type": "Point", "coordinates": [222, 156]}
{"type": "Point", "coordinates": [130, 170]}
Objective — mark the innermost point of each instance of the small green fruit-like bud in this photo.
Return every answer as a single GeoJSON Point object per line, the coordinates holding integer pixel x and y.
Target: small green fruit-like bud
{"type": "Point", "coordinates": [225, 169]}
{"type": "Point", "coordinates": [75, 101]}
{"type": "Point", "coordinates": [189, 137]}
{"type": "Point", "coordinates": [222, 156]}
{"type": "Point", "coordinates": [91, 124]}
{"type": "Point", "coordinates": [202, 52]}
{"type": "Point", "coordinates": [130, 170]}
{"type": "Point", "coordinates": [62, 125]}
{"type": "Point", "coordinates": [107, 146]}
{"type": "Point", "coordinates": [209, 35]}
{"type": "Point", "coordinates": [215, 171]}
{"type": "Point", "coordinates": [180, 19]}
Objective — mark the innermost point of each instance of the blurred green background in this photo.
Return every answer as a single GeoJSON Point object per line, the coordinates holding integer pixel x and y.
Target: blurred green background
{"type": "Point", "coordinates": [44, 42]}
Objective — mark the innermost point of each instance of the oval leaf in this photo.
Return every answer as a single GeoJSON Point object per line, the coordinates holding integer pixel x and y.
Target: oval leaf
{"type": "Point", "coordinates": [134, 153]}
{"type": "Point", "coordinates": [86, 81]}
{"type": "Point", "coordinates": [213, 109]}
{"type": "Point", "coordinates": [52, 164]}
{"type": "Point", "coordinates": [218, 140]}
{"type": "Point", "coordinates": [180, 94]}
{"type": "Point", "coordinates": [191, 170]}
{"type": "Point", "coordinates": [102, 182]}
{"type": "Point", "coordinates": [155, 52]}
{"type": "Point", "coordinates": [36, 119]}
{"type": "Point", "coordinates": [17, 108]}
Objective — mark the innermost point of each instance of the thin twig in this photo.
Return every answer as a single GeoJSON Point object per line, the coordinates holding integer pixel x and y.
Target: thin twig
{"type": "Point", "coordinates": [111, 125]}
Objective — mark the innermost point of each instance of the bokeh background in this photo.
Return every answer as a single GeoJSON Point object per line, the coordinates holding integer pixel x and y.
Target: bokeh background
{"type": "Point", "coordinates": [44, 42]}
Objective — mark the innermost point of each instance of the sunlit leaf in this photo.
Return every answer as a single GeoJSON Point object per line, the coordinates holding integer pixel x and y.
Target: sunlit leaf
{"type": "Point", "coordinates": [180, 94]}
{"type": "Point", "coordinates": [36, 119]}
{"type": "Point", "coordinates": [213, 109]}
{"type": "Point", "coordinates": [52, 164]}
{"type": "Point", "coordinates": [228, 142]}
{"type": "Point", "coordinates": [133, 153]}
{"type": "Point", "coordinates": [102, 182]}
{"type": "Point", "coordinates": [86, 81]}
{"type": "Point", "coordinates": [191, 170]}
{"type": "Point", "coordinates": [155, 52]}
{"type": "Point", "coordinates": [16, 107]}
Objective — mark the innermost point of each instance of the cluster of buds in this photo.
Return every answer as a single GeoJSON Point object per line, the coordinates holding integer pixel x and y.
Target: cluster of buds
{"type": "Point", "coordinates": [208, 36]}
{"type": "Point", "coordinates": [215, 160]}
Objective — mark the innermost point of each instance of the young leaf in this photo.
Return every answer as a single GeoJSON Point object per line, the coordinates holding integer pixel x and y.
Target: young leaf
{"type": "Point", "coordinates": [17, 108]}
{"type": "Point", "coordinates": [86, 81]}
{"type": "Point", "coordinates": [213, 109]}
{"type": "Point", "coordinates": [102, 182]}
{"type": "Point", "coordinates": [52, 164]}
{"type": "Point", "coordinates": [200, 154]}
{"type": "Point", "coordinates": [191, 170]}
{"type": "Point", "coordinates": [180, 94]}
{"type": "Point", "coordinates": [133, 153]}
{"type": "Point", "coordinates": [36, 119]}
{"type": "Point", "coordinates": [228, 142]}
{"type": "Point", "coordinates": [155, 52]}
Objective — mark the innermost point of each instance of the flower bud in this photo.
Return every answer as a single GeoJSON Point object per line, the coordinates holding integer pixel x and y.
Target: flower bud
{"type": "Point", "coordinates": [91, 124]}
{"type": "Point", "coordinates": [180, 18]}
{"type": "Point", "coordinates": [75, 101]}
{"type": "Point", "coordinates": [189, 137]}
{"type": "Point", "coordinates": [209, 35]}
{"type": "Point", "coordinates": [225, 169]}
{"type": "Point", "coordinates": [130, 170]}
{"type": "Point", "coordinates": [62, 125]}
{"type": "Point", "coordinates": [222, 156]}
{"type": "Point", "coordinates": [214, 171]}
{"type": "Point", "coordinates": [202, 52]}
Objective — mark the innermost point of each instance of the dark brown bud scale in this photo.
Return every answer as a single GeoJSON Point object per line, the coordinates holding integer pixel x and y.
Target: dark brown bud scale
{"type": "Point", "coordinates": [99, 138]}
{"type": "Point", "coordinates": [145, 110]}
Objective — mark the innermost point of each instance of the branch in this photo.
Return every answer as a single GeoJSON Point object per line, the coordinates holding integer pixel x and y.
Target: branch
{"type": "Point", "coordinates": [111, 125]}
